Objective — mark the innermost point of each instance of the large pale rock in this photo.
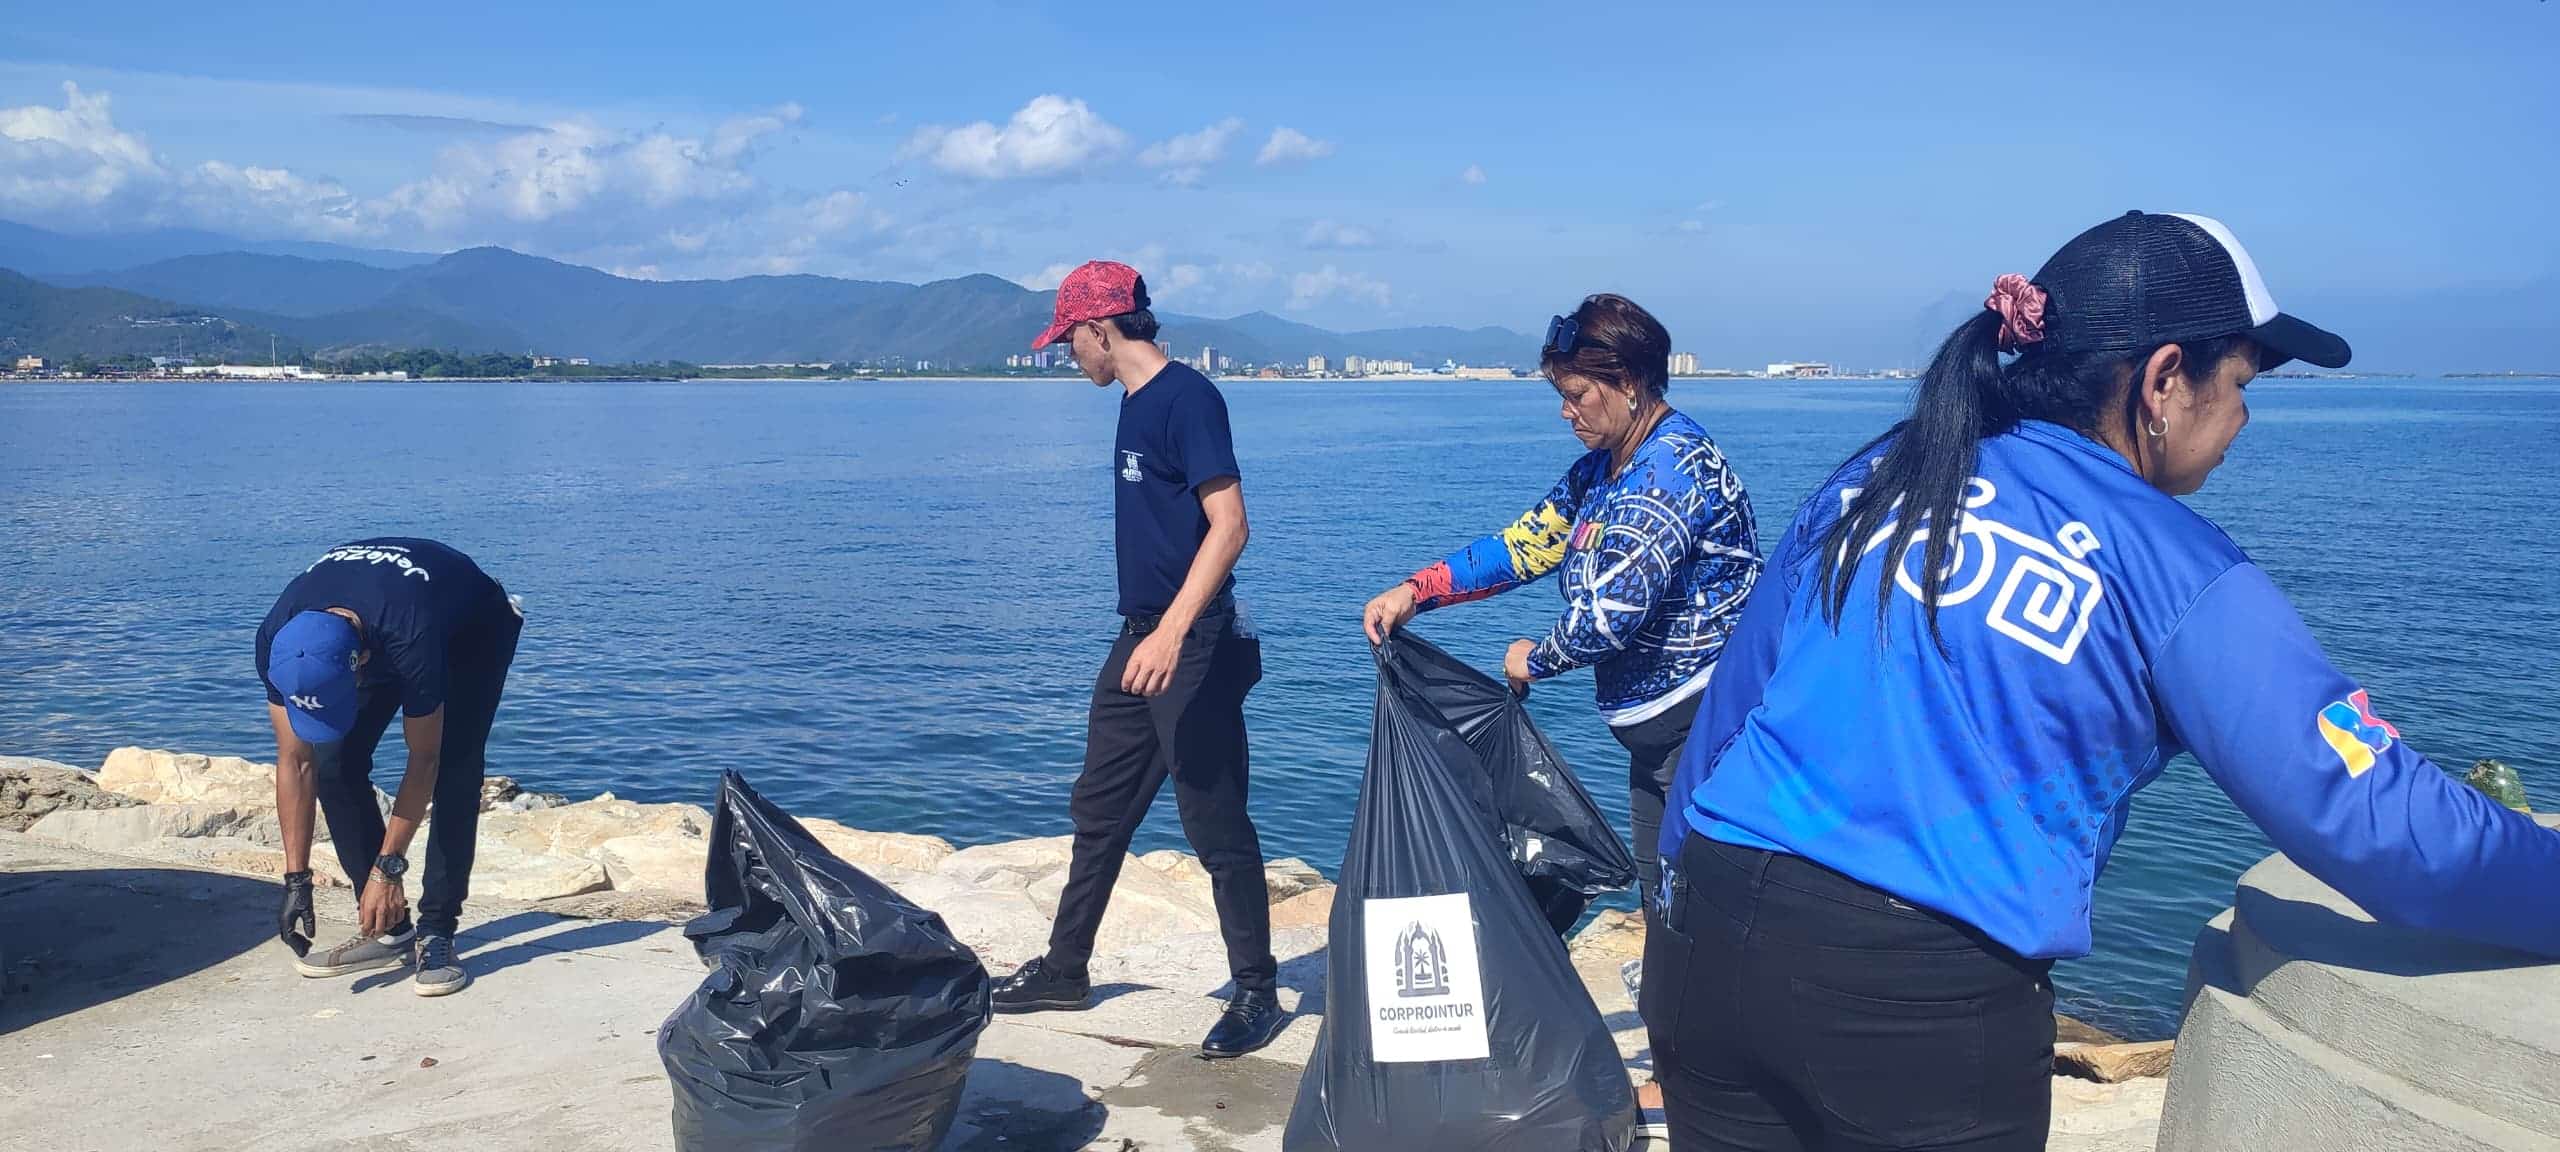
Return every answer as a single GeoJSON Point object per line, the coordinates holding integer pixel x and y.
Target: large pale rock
{"type": "Point", "coordinates": [1009, 864]}
{"type": "Point", "coordinates": [1312, 908]}
{"type": "Point", "coordinates": [126, 829]}
{"type": "Point", "coordinates": [31, 788]}
{"type": "Point", "coordinates": [159, 777]}
{"type": "Point", "coordinates": [1147, 905]}
{"type": "Point", "coordinates": [1615, 934]}
{"type": "Point", "coordinates": [874, 852]}
{"type": "Point", "coordinates": [505, 872]}
{"type": "Point", "coordinates": [610, 905]}
{"type": "Point", "coordinates": [1290, 876]}
{"type": "Point", "coordinates": [578, 830]}
{"type": "Point", "coordinates": [667, 864]}
{"type": "Point", "coordinates": [1181, 867]}
{"type": "Point", "coordinates": [2113, 1063]}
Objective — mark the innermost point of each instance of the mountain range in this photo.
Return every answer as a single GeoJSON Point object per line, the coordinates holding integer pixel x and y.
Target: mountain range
{"type": "Point", "coordinates": [324, 298]}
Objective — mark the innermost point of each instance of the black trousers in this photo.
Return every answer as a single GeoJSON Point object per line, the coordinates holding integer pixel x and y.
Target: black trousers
{"type": "Point", "coordinates": [476, 661]}
{"type": "Point", "coordinates": [1193, 734]}
{"type": "Point", "coordinates": [1792, 1008]}
{"type": "Point", "coordinates": [1653, 753]}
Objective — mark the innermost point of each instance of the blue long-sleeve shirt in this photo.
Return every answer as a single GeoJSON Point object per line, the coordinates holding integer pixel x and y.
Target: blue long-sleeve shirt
{"type": "Point", "coordinates": [1654, 564]}
{"type": "Point", "coordinates": [2094, 628]}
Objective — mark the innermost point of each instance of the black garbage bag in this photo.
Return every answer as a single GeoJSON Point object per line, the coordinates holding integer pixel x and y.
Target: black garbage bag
{"type": "Point", "coordinates": [837, 1015]}
{"type": "Point", "coordinates": [1559, 840]}
{"type": "Point", "coordinates": [1453, 1018]}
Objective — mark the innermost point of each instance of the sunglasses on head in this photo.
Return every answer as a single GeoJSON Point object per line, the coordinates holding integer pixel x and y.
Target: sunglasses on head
{"type": "Point", "coordinates": [1562, 331]}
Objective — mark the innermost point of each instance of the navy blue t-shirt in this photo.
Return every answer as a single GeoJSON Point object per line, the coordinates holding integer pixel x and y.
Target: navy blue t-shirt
{"type": "Point", "coordinates": [412, 595]}
{"type": "Point", "coordinates": [1173, 439]}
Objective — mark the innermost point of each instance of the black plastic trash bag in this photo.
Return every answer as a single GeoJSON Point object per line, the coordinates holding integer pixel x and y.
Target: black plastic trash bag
{"type": "Point", "coordinates": [1453, 1018]}
{"type": "Point", "coordinates": [1559, 840]}
{"type": "Point", "coordinates": [837, 1016]}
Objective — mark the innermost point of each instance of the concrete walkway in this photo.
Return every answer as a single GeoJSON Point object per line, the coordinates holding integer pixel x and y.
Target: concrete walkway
{"type": "Point", "coordinates": [149, 1007]}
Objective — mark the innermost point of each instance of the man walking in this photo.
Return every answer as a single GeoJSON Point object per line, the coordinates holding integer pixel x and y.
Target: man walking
{"type": "Point", "coordinates": [373, 628]}
{"type": "Point", "coordinates": [1169, 702]}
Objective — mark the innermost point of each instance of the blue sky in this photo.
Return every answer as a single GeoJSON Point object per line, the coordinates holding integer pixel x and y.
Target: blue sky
{"type": "Point", "coordinates": [1774, 179]}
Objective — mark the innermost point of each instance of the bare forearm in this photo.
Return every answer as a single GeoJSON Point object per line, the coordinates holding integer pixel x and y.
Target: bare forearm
{"type": "Point", "coordinates": [1219, 550]}
{"type": "Point", "coordinates": [409, 807]}
{"type": "Point", "coordinates": [293, 808]}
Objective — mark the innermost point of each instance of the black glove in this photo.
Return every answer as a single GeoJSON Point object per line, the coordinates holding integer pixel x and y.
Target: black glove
{"type": "Point", "coordinates": [295, 923]}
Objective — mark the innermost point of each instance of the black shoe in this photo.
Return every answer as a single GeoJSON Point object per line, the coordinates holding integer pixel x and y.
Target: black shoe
{"type": "Point", "coordinates": [1038, 987]}
{"type": "Point", "coordinates": [1252, 1020]}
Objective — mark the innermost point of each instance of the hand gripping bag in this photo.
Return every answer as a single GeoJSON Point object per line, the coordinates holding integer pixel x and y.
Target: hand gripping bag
{"type": "Point", "coordinates": [1558, 839]}
{"type": "Point", "coordinates": [1453, 1018]}
{"type": "Point", "coordinates": [837, 1015]}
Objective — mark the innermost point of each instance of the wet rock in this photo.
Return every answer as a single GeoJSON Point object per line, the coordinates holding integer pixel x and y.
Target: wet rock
{"type": "Point", "coordinates": [502, 793]}
{"type": "Point", "coordinates": [130, 828]}
{"type": "Point", "coordinates": [158, 777]}
{"type": "Point", "coordinates": [662, 863]}
{"type": "Point", "coordinates": [2113, 1063]}
{"type": "Point", "coordinates": [874, 852]}
{"type": "Point", "coordinates": [30, 789]}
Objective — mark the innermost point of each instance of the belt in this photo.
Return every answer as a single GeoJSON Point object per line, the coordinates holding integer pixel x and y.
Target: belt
{"type": "Point", "coordinates": [1141, 625]}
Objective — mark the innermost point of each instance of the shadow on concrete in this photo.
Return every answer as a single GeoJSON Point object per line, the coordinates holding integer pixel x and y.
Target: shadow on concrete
{"type": "Point", "coordinates": [1008, 1107]}
{"type": "Point", "coordinates": [75, 939]}
{"type": "Point", "coordinates": [2303, 930]}
{"type": "Point", "coordinates": [1303, 975]}
{"type": "Point", "coordinates": [1106, 993]}
{"type": "Point", "coordinates": [472, 946]}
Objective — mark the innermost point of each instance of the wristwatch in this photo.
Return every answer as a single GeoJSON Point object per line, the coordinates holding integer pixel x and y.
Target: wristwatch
{"type": "Point", "coordinates": [391, 867]}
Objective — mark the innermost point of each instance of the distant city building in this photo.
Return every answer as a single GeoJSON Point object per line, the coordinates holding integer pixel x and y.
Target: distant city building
{"type": "Point", "coordinates": [1270, 373]}
{"type": "Point", "coordinates": [30, 363]}
{"type": "Point", "coordinates": [1354, 365]}
{"type": "Point", "coordinates": [924, 365]}
{"type": "Point", "coordinates": [245, 371]}
{"type": "Point", "coordinates": [1315, 365]}
{"type": "Point", "coordinates": [546, 361]}
{"type": "Point", "coordinates": [578, 362]}
{"type": "Point", "coordinates": [1684, 363]}
{"type": "Point", "coordinates": [1469, 373]}
{"type": "Point", "coordinates": [1208, 359]}
{"type": "Point", "coordinates": [1801, 370]}
{"type": "Point", "coordinates": [1226, 363]}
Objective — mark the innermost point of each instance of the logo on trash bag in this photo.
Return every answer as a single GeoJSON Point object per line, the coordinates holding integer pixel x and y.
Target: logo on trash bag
{"type": "Point", "coordinates": [1422, 967]}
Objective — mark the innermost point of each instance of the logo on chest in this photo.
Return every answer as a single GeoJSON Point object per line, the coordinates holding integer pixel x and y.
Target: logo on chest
{"type": "Point", "coordinates": [1129, 465]}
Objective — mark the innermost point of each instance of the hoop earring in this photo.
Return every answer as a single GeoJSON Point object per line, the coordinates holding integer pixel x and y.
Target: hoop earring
{"type": "Point", "coordinates": [2158, 427]}
{"type": "Point", "coordinates": [1631, 405]}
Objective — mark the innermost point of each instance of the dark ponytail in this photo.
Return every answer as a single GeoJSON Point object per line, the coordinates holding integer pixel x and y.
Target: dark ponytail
{"type": "Point", "coordinates": [1968, 396]}
{"type": "Point", "coordinates": [1923, 474]}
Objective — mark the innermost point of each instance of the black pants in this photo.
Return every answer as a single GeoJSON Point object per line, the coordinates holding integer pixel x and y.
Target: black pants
{"type": "Point", "coordinates": [1193, 733]}
{"type": "Point", "coordinates": [476, 661]}
{"type": "Point", "coordinates": [1653, 753]}
{"type": "Point", "coordinates": [1794, 1008]}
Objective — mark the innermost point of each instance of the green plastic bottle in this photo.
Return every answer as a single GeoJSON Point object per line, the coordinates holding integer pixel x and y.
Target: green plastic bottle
{"type": "Point", "coordinates": [2500, 782]}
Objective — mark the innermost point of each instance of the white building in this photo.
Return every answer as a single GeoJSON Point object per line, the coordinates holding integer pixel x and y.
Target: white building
{"type": "Point", "coordinates": [1468, 373]}
{"type": "Point", "coordinates": [1315, 365]}
{"type": "Point", "coordinates": [1804, 370]}
{"type": "Point", "coordinates": [1355, 366]}
{"type": "Point", "coordinates": [1208, 359]}
{"type": "Point", "coordinates": [1684, 363]}
{"type": "Point", "coordinates": [245, 371]}
{"type": "Point", "coordinates": [30, 363]}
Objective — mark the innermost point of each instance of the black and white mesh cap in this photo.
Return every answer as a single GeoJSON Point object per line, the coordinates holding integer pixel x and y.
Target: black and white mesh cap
{"type": "Point", "coordinates": [2145, 279]}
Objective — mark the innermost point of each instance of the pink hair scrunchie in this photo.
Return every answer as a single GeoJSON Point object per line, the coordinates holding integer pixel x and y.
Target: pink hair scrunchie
{"type": "Point", "coordinates": [2021, 307]}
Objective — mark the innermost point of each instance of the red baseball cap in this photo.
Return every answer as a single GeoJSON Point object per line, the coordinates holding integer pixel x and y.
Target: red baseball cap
{"type": "Point", "coordinates": [1098, 289]}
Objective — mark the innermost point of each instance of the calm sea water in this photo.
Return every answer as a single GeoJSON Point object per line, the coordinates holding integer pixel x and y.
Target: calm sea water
{"type": "Point", "coordinates": [885, 602]}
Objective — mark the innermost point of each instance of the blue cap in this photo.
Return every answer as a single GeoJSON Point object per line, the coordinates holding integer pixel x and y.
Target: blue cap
{"type": "Point", "coordinates": [312, 664]}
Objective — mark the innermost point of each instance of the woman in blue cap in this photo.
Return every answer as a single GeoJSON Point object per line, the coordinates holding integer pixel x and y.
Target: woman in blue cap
{"type": "Point", "coordinates": [1974, 643]}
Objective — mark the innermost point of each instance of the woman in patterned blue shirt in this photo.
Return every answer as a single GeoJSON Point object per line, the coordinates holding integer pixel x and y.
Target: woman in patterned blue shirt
{"type": "Point", "coordinates": [1651, 535]}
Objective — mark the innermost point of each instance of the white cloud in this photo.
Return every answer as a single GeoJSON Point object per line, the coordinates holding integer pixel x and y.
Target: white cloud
{"type": "Point", "coordinates": [1693, 226]}
{"type": "Point", "coordinates": [1473, 175]}
{"type": "Point", "coordinates": [1289, 144]}
{"type": "Point", "coordinates": [1331, 234]}
{"type": "Point", "coordinates": [1308, 289]}
{"type": "Point", "coordinates": [1050, 136]}
{"type": "Point", "coordinates": [1186, 158]}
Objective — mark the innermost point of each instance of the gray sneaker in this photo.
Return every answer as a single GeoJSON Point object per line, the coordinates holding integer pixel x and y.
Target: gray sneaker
{"type": "Point", "coordinates": [357, 954]}
{"type": "Point", "coordinates": [439, 974]}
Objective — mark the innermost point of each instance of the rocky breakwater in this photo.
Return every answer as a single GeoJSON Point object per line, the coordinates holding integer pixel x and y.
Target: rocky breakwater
{"type": "Point", "coordinates": [613, 858]}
